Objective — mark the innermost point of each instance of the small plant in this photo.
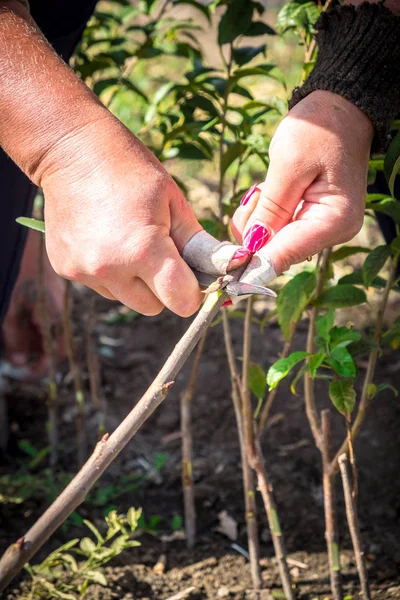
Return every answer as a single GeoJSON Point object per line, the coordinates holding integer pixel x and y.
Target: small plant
{"type": "Point", "coordinates": [61, 575]}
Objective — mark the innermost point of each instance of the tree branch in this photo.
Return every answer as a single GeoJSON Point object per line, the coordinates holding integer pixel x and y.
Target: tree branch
{"type": "Point", "coordinates": [354, 527]}
{"type": "Point", "coordinates": [108, 448]}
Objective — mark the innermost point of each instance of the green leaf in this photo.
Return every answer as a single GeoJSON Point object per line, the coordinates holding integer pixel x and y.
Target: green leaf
{"type": "Point", "coordinates": [373, 389]}
{"type": "Point", "coordinates": [392, 162]}
{"type": "Point", "coordinates": [259, 28]}
{"type": "Point", "coordinates": [356, 278]}
{"type": "Point", "coordinates": [342, 362]}
{"type": "Point", "coordinates": [293, 299]}
{"type": "Point", "coordinates": [126, 83]}
{"type": "Point", "coordinates": [343, 395]}
{"type": "Point", "coordinates": [297, 14]}
{"type": "Point", "coordinates": [105, 84]}
{"type": "Point", "coordinates": [395, 246]}
{"type": "Point", "coordinates": [96, 577]}
{"type": "Point", "coordinates": [191, 151]}
{"type": "Point", "coordinates": [257, 380]}
{"type": "Point", "coordinates": [204, 9]}
{"type": "Point", "coordinates": [87, 545]}
{"type": "Point", "coordinates": [341, 296]}
{"type": "Point", "coordinates": [233, 152]}
{"type": "Point", "coordinates": [212, 227]}
{"type": "Point", "coordinates": [315, 362]}
{"type": "Point", "coordinates": [386, 205]}
{"type": "Point", "coordinates": [281, 368]}
{"type": "Point", "coordinates": [342, 336]}
{"type": "Point", "coordinates": [32, 223]}
{"type": "Point", "coordinates": [265, 70]}
{"type": "Point", "coordinates": [346, 251]}
{"type": "Point", "coordinates": [374, 263]}
{"type": "Point", "coordinates": [245, 54]}
{"type": "Point", "coordinates": [94, 530]}
{"type": "Point", "coordinates": [133, 517]}
{"type": "Point", "coordinates": [324, 324]}
{"type": "Point", "coordinates": [235, 21]}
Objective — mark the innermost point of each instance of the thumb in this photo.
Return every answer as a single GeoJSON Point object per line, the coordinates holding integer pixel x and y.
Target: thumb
{"type": "Point", "coordinates": [272, 204]}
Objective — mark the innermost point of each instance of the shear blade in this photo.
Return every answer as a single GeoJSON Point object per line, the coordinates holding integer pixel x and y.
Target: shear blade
{"type": "Point", "coordinates": [237, 288]}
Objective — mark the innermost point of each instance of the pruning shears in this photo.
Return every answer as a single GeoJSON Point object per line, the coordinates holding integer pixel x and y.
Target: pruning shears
{"type": "Point", "coordinates": [231, 284]}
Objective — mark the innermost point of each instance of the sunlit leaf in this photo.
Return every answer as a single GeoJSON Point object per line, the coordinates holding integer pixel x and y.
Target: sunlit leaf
{"type": "Point", "coordinates": [281, 368]}
{"type": "Point", "coordinates": [32, 223]}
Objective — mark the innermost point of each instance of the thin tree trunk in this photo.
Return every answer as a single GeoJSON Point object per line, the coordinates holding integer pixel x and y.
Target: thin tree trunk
{"type": "Point", "coordinates": [265, 487]}
{"type": "Point", "coordinates": [247, 474]}
{"type": "Point", "coordinates": [187, 449]}
{"type": "Point", "coordinates": [331, 533]}
{"type": "Point", "coordinates": [354, 527]}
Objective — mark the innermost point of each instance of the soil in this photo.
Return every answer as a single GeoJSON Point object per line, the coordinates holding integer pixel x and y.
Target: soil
{"type": "Point", "coordinates": [130, 355]}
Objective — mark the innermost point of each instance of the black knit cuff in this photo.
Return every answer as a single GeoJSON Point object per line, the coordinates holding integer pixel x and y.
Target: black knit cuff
{"type": "Point", "coordinates": [359, 59]}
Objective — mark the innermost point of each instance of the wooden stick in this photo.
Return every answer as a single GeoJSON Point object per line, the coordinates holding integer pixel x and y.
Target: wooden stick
{"type": "Point", "coordinates": [187, 449]}
{"type": "Point", "coordinates": [331, 534]}
{"type": "Point", "coordinates": [354, 527]}
{"type": "Point", "coordinates": [247, 474]}
{"type": "Point", "coordinates": [108, 448]}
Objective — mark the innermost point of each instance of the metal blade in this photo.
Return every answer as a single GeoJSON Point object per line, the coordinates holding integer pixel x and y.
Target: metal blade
{"type": "Point", "coordinates": [237, 288]}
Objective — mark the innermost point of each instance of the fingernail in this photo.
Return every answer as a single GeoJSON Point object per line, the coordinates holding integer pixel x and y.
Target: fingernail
{"type": "Point", "coordinates": [227, 303]}
{"type": "Point", "coordinates": [256, 237]}
{"type": "Point", "coordinates": [248, 195]}
{"type": "Point", "coordinates": [238, 259]}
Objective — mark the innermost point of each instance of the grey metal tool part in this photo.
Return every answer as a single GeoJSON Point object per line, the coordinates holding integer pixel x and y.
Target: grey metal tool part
{"type": "Point", "coordinates": [234, 288]}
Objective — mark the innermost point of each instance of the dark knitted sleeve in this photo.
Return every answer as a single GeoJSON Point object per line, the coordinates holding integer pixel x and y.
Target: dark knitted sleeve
{"type": "Point", "coordinates": [359, 59]}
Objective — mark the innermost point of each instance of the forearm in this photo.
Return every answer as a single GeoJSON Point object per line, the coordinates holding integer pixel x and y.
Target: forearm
{"type": "Point", "coordinates": [42, 102]}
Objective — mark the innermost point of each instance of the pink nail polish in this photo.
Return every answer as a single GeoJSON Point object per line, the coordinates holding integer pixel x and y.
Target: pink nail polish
{"type": "Point", "coordinates": [240, 253]}
{"type": "Point", "coordinates": [256, 237]}
{"type": "Point", "coordinates": [248, 195]}
{"type": "Point", "coordinates": [238, 259]}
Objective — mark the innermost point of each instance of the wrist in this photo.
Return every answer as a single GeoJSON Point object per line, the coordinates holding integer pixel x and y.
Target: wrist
{"type": "Point", "coordinates": [42, 102]}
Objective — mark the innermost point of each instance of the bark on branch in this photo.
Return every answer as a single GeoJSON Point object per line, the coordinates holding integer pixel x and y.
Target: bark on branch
{"type": "Point", "coordinates": [108, 448]}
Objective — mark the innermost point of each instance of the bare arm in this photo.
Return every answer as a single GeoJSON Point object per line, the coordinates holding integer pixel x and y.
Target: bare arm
{"type": "Point", "coordinates": [41, 100]}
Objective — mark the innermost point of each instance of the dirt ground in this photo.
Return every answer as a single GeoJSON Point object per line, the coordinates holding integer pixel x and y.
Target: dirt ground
{"type": "Point", "coordinates": [130, 355]}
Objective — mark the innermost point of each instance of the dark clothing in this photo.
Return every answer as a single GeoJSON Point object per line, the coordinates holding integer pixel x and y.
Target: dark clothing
{"type": "Point", "coordinates": [62, 22]}
{"type": "Point", "coordinates": [359, 59]}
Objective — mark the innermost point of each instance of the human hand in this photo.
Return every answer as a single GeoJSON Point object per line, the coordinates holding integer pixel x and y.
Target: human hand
{"type": "Point", "coordinates": [314, 193]}
{"type": "Point", "coordinates": [116, 221]}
